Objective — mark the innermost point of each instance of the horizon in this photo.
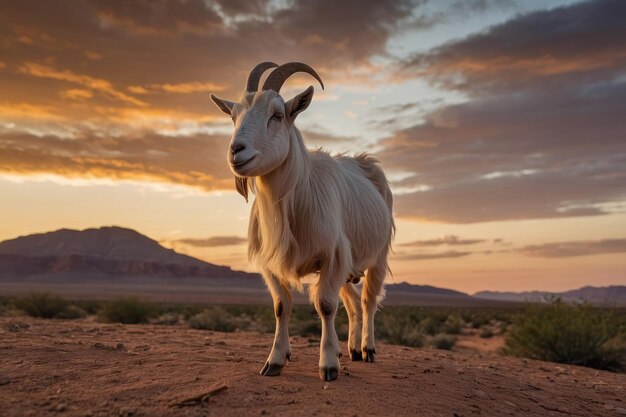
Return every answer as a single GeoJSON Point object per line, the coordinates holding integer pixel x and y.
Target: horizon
{"type": "Point", "coordinates": [499, 125]}
{"type": "Point", "coordinates": [308, 279]}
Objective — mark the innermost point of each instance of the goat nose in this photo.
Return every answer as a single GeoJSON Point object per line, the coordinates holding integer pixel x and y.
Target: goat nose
{"type": "Point", "coordinates": [237, 147]}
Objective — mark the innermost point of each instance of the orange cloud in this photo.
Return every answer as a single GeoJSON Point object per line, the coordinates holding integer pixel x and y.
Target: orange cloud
{"type": "Point", "coordinates": [103, 86]}
{"type": "Point", "coordinates": [76, 94]}
{"type": "Point", "coordinates": [28, 111]}
{"type": "Point", "coordinates": [193, 161]}
{"type": "Point", "coordinates": [180, 88]}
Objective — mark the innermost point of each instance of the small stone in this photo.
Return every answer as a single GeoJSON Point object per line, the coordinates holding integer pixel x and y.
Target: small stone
{"type": "Point", "coordinates": [326, 385]}
{"type": "Point", "coordinates": [620, 410]}
{"type": "Point", "coordinates": [61, 407]}
{"type": "Point", "coordinates": [4, 380]}
{"type": "Point", "coordinates": [481, 394]}
{"type": "Point", "coordinates": [126, 412]}
{"type": "Point", "coordinates": [120, 346]}
{"type": "Point", "coordinates": [99, 345]}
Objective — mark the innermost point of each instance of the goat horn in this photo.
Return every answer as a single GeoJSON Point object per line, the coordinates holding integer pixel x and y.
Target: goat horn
{"type": "Point", "coordinates": [255, 76]}
{"type": "Point", "coordinates": [277, 78]}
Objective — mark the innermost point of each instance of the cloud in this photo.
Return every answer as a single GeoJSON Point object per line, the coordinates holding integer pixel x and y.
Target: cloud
{"type": "Point", "coordinates": [534, 139]}
{"type": "Point", "coordinates": [214, 241]}
{"type": "Point", "coordinates": [163, 18]}
{"type": "Point", "coordinates": [568, 40]}
{"type": "Point", "coordinates": [97, 84]}
{"type": "Point", "coordinates": [579, 248]}
{"type": "Point", "coordinates": [186, 88]}
{"type": "Point", "coordinates": [445, 240]}
{"type": "Point", "coordinates": [195, 161]}
{"type": "Point", "coordinates": [76, 94]}
{"type": "Point", "coordinates": [429, 256]}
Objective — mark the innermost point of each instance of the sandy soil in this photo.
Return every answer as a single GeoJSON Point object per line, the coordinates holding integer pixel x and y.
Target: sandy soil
{"type": "Point", "coordinates": [82, 368]}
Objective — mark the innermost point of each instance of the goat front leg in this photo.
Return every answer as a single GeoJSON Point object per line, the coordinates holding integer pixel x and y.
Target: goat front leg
{"type": "Point", "coordinates": [325, 297]}
{"type": "Point", "coordinates": [281, 349]}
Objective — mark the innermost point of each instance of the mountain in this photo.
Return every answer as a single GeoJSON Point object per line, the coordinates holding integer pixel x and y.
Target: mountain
{"type": "Point", "coordinates": [105, 251]}
{"type": "Point", "coordinates": [423, 290]}
{"type": "Point", "coordinates": [599, 295]}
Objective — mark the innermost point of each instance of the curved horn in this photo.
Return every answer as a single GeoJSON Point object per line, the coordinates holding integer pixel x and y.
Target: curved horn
{"type": "Point", "coordinates": [277, 78]}
{"type": "Point", "coordinates": [255, 76]}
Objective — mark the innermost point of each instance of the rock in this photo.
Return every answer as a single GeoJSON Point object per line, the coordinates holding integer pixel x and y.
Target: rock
{"type": "Point", "coordinates": [481, 394]}
{"type": "Point", "coordinates": [120, 346]}
{"type": "Point", "coordinates": [99, 345]}
{"type": "Point", "coordinates": [60, 407]}
{"type": "Point", "coordinates": [126, 412]}
{"type": "Point", "coordinates": [620, 411]}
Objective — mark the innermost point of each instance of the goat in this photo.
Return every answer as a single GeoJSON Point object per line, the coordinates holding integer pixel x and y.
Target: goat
{"type": "Point", "coordinates": [313, 213]}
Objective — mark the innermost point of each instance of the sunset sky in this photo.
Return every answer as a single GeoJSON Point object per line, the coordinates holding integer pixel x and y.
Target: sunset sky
{"type": "Point", "coordinates": [501, 125]}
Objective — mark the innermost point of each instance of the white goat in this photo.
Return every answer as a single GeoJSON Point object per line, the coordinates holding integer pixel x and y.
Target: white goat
{"type": "Point", "coordinates": [313, 213]}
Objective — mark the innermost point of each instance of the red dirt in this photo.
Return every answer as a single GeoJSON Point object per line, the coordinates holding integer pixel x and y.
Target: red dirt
{"type": "Point", "coordinates": [82, 368]}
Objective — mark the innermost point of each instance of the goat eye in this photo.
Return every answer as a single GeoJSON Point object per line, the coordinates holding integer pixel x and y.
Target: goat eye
{"type": "Point", "coordinates": [278, 116]}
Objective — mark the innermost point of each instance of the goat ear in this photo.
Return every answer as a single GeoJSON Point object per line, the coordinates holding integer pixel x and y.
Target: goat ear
{"type": "Point", "coordinates": [224, 105]}
{"type": "Point", "coordinates": [299, 103]}
{"type": "Point", "coordinates": [241, 184]}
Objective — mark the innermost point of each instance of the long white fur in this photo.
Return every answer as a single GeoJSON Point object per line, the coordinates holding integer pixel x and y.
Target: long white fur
{"type": "Point", "coordinates": [315, 213]}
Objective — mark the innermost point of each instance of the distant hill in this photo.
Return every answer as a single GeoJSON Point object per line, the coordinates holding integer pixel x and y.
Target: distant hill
{"type": "Point", "coordinates": [423, 290]}
{"type": "Point", "coordinates": [109, 251]}
{"type": "Point", "coordinates": [599, 295]}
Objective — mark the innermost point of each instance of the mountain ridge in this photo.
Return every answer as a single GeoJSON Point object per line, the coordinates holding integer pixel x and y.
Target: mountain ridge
{"type": "Point", "coordinates": [607, 294]}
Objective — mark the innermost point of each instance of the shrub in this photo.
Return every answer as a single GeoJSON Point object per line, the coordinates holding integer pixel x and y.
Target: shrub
{"type": "Point", "coordinates": [443, 341]}
{"type": "Point", "coordinates": [430, 326]}
{"type": "Point", "coordinates": [400, 330]}
{"type": "Point", "coordinates": [572, 334]}
{"type": "Point", "coordinates": [42, 304]}
{"type": "Point", "coordinates": [71, 312]}
{"type": "Point", "coordinates": [486, 333]}
{"type": "Point", "coordinates": [214, 318]}
{"type": "Point", "coordinates": [128, 310]}
{"type": "Point", "coordinates": [453, 325]}
{"type": "Point", "coordinates": [168, 319]}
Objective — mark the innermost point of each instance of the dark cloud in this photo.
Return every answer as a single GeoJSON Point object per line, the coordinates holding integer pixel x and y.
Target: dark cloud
{"type": "Point", "coordinates": [579, 248]}
{"type": "Point", "coordinates": [553, 46]}
{"type": "Point", "coordinates": [214, 241]}
{"type": "Point", "coordinates": [529, 142]}
{"type": "Point", "coordinates": [341, 31]}
{"type": "Point", "coordinates": [445, 240]}
{"type": "Point", "coordinates": [428, 256]}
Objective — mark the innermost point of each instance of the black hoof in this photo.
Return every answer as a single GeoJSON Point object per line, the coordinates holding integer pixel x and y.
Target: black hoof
{"type": "Point", "coordinates": [368, 355]}
{"type": "Point", "coordinates": [356, 355]}
{"type": "Point", "coordinates": [288, 356]}
{"type": "Point", "coordinates": [271, 369]}
{"type": "Point", "coordinates": [328, 373]}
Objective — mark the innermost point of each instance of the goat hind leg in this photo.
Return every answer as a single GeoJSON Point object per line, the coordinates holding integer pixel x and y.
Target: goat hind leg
{"type": "Point", "coordinates": [281, 349]}
{"type": "Point", "coordinates": [351, 300]}
{"type": "Point", "coordinates": [372, 290]}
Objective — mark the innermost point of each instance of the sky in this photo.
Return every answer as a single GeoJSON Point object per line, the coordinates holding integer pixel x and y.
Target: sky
{"type": "Point", "coordinates": [501, 125]}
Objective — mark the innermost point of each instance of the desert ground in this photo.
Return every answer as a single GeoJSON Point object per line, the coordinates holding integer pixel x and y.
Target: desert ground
{"type": "Point", "coordinates": [86, 368]}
